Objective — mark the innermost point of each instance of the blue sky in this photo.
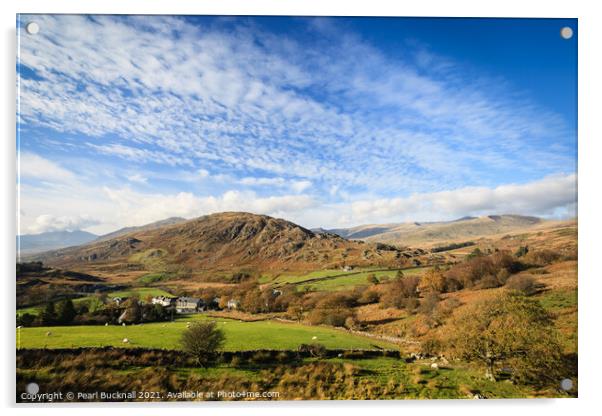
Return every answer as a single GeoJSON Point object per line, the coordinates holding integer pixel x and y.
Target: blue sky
{"type": "Point", "coordinates": [324, 121]}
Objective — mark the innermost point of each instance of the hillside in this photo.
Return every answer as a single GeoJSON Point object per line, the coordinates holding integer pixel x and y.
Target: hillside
{"type": "Point", "coordinates": [151, 226]}
{"type": "Point", "coordinates": [37, 243]}
{"type": "Point", "coordinates": [221, 245]}
{"type": "Point", "coordinates": [429, 233]}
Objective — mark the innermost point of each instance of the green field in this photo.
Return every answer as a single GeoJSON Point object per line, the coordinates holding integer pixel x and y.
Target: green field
{"type": "Point", "coordinates": [350, 280]}
{"type": "Point", "coordinates": [239, 336]}
{"type": "Point", "coordinates": [295, 279]}
{"type": "Point", "coordinates": [141, 292]}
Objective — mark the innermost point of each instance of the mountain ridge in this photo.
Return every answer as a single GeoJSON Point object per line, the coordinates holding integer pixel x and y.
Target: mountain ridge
{"type": "Point", "coordinates": [51, 240]}
{"type": "Point", "coordinates": [417, 233]}
{"type": "Point", "coordinates": [223, 243]}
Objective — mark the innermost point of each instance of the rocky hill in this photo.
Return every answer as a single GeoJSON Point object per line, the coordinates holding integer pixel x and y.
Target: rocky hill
{"type": "Point", "coordinates": [224, 243]}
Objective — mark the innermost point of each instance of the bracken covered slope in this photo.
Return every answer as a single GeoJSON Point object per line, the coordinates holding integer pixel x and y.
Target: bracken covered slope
{"type": "Point", "coordinates": [224, 243]}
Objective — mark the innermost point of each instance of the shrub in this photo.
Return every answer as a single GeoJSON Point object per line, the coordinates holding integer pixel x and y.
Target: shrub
{"type": "Point", "coordinates": [372, 279]}
{"type": "Point", "coordinates": [522, 251]}
{"type": "Point", "coordinates": [335, 300]}
{"type": "Point", "coordinates": [428, 304]}
{"type": "Point", "coordinates": [522, 284]}
{"type": "Point", "coordinates": [351, 322]}
{"type": "Point", "coordinates": [488, 282]}
{"type": "Point", "coordinates": [315, 349]}
{"type": "Point", "coordinates": [333, 317]}
{"type": "Point", "coordinates": [410, 304]}
{"type": "Point", "coordinates": [502, 276]}
{"type": "Point", "coordinates": [430, 346]}
{"type": "Point", "coordinates": [202, 339]}
{"type": "Point", "coordinates": [368, 296]}
{"type": "Point", "coordinates": [543, 257]}
{"type": "Point", "coordinates": [444, 309]}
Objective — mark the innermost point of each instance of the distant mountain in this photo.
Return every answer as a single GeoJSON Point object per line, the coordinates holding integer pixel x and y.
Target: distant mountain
{"type": "Point", "coordinates": [150, 226]}
{"type": "Point", "coordinates": [36, 243]}
{"type": "Point", "coordinates": [221, 244]}
{"type": "Point", "coordinates": [419, 233]}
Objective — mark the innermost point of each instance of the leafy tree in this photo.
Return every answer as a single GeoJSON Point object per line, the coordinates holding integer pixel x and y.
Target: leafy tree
{"type": "Point", "coordinates": [133, 310]}
{"type": "Point", "coordinates": [295, 312]}
{"type": "Point", "coordinates": [25, 319]}
{"type": "Point", "coordinates": [514, 331]}
{"type": "Point", "coordinates": [66, 312]}
{"type": "Point", "coordinates": [372, 279]}
{"type": "Point", "coordinates": [201, 340]}
{"type": "Point", "coordinates": [48, 315]}
{"type": "Point", "coordinates": [432, 281]}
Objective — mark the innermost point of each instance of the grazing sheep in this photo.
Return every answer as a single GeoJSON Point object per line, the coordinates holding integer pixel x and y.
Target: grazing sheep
{"type": "Point", "coordinates": [125, 340]}
{"type": "Point", "coordinates": [314, 338]}
{"type": "Point", "coordinates": [434, 366]}
{"type": "Point", "coordinates": [48, 333]}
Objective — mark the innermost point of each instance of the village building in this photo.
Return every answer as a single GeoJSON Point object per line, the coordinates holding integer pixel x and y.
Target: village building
{"type": "Point", "coordinates": [187, 304]}
{"type": "Point", "coordinates": [233, 304]}
{"type": "Point", "coordinates": [164, 301]}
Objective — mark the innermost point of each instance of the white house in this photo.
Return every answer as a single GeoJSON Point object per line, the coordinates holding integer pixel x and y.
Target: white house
{"type": "Point", "coordinates": [163, 301]}
{"type": "Point", "coordinates": [187, 304]}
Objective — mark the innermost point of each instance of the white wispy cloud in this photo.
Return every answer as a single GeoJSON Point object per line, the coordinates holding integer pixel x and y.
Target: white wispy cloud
{"type": "Point", "coordinates": [542, 197]}
{"type": "Point", "coordinates": [194, 94]}
{"type": "Point", "coordinates": [138, 178]}
{"type": "Point", "coordinates": [45, 223]}
{"type": "Point", "coordinates": [264, 124]}
{"type": "Point", "coordinates": [33, 166]}
{"type": "Point", "coordinates": [137, 208]}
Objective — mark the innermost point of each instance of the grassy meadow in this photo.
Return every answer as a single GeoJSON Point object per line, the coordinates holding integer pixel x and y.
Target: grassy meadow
{"type": "Point", "coordinates": [351, 280]}
{"type": "Point", "coordinates": [239, 336]}
{"type": "Point", "coordinates": [336, 279]}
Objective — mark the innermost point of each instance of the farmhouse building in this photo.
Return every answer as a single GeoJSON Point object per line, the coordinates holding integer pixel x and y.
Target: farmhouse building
{"type": "Point", "coordinates": [233, 304]}
{"type": "Point", "coordinates": [165, 301]}
{"type": "Point", "coordinates": [187, 304]}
